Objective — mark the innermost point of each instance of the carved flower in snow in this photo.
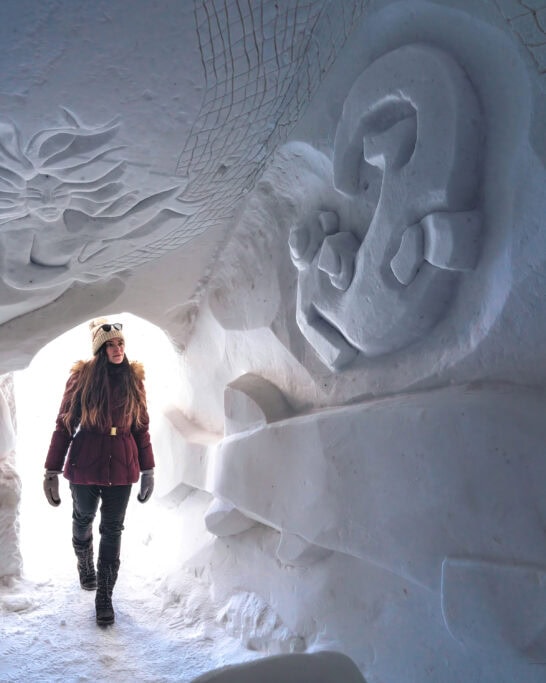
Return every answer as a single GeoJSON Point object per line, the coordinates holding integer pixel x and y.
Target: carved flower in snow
{"type": "Point", "coordinates": [64, 201]}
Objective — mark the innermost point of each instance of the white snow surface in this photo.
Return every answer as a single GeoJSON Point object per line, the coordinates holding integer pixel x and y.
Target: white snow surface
{"type": "Point", "coordinates": [336, 220]}
{"type": "Point", "coordinates": [48, 630]}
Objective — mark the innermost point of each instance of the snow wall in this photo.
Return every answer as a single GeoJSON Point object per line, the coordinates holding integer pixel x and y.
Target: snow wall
{"type": "Point", "coordinates": [361, 386]}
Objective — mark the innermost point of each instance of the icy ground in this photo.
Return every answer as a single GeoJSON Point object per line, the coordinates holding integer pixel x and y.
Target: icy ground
{"type": "Point", "coordinates": [48, 631]}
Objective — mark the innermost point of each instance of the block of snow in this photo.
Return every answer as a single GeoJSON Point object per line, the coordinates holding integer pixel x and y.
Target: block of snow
{"type": "Point", "coordinates": [453, 240]}
{"type": "Point", "coordinates": [409, 258]}
{"type": "Point", "coordinates": [223, 519]}
{"type": "Point", "coordinates": [318, 667]}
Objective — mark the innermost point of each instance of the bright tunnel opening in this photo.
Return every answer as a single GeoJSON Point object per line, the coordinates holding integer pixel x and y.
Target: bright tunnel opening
{"type": "Point", "coordinates": [45, 532]}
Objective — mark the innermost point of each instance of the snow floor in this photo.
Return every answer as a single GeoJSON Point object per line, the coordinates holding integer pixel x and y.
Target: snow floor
{"type": "Point", "coordinates": [47, 627]}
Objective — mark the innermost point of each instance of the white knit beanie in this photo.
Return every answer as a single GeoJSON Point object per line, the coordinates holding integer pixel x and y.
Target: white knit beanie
{"type": "Point", "coordinates": [99, 335]}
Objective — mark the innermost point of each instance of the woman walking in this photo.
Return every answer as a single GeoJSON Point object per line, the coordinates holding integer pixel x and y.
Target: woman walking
{"type": "Point", "coordinates": [103, 426]}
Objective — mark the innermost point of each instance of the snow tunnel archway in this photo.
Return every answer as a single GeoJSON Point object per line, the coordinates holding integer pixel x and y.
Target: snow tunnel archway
{"type": "Point", "coordinates": [45, 532]}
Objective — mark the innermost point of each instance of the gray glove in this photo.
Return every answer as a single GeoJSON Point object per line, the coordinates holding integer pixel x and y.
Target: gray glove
{"type": "Point", "coordinates": [146, 485]}
{"type": "Point", "coordinates": [51, 487]}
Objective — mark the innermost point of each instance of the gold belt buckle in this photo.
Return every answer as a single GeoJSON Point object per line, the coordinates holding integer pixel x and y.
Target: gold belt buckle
{"type": "Point", "coordinates": [113, 431]}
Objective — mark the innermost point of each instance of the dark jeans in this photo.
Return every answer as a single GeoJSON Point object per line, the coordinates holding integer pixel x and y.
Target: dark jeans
{"type": "Point", "coordinates": [85, 502]}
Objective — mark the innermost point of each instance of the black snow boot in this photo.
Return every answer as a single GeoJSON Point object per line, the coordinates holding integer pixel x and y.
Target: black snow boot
{"type": "Point", "coordinates": [86, 565]}
{"type": "Point", "coordinates": [107, 573]}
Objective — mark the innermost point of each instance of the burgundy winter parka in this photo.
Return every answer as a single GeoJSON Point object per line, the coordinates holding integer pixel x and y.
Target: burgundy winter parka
{"type": "Point", "coordinates": [95, 457]}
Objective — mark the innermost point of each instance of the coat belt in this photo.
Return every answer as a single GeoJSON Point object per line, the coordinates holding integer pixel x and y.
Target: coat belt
{"type": "Point", "coordinates": [116, 431]}
{"type": "Point", "coordinates": [113, 431]}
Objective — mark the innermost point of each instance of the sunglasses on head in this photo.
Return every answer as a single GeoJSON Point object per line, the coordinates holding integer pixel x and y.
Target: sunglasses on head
{"type": "Point", "coordinates": [114, 326]}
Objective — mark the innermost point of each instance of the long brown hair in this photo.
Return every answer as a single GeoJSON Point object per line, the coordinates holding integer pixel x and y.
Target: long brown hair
{"type": "Point", "coordinates": [90, 402]}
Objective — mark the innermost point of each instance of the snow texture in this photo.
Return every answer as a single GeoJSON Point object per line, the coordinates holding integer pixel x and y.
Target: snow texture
{"type": "Point", "coordinates": [334, 215]}
{"type": "Point", "coordinates": [10, 485]}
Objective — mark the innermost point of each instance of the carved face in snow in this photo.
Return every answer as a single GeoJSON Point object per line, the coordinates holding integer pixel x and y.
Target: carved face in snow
{"type": "Point", "coordinates": [413, 116]}
{"type": "Point", "coordinates": [65, 206]}
{"type": "Point", "coordinates": [46, 197]}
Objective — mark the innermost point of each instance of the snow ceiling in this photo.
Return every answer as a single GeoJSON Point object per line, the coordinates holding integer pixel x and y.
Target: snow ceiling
{"type": "Point", "coordinates": [129, 136]}
{"type": "Point", "coordinates": [126, 135]}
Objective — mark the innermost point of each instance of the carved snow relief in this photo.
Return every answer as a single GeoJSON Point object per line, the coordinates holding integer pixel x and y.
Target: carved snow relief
{"type": "Point", "coordinates": [66, 208]}
{"type": "Point", "coordinates": [411, 122]}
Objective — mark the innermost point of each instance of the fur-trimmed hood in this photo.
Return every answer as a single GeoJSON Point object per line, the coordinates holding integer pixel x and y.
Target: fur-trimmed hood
{"type": "Point", "coordinates": [136, 367]}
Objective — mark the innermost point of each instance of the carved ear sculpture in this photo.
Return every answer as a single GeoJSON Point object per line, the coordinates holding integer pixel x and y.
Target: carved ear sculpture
{"type": "Point", "coordinates": [414, 115]}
